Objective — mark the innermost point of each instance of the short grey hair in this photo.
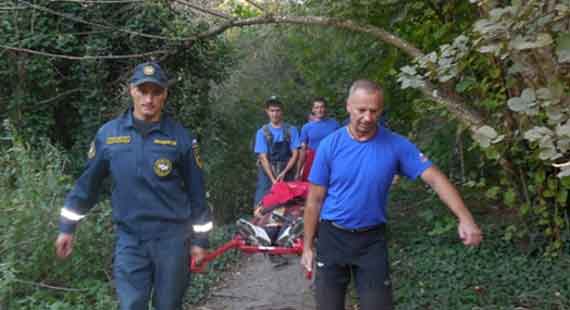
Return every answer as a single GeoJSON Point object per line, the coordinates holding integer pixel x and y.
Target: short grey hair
{"type": "Point", "coordinates": [365, 85]}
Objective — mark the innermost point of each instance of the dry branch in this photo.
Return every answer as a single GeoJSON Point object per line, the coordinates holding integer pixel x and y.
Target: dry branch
{"type": "Point", "coordinates": [70, 57]}
{"type": "Point", "coordinates": [204, 10]}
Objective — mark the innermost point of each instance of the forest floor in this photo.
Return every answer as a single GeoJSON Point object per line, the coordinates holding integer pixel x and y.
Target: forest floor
{"type": "Point", "coordinates": [430, 267]}
{"type": "Point", "coordinates": [259, 284]}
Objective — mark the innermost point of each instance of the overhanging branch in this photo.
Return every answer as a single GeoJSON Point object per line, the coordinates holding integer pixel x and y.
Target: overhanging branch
{"type": "Point", "coordinates": [70, 57]}
{"type": "Point", "coordinates": [204, 10]}
{"type": "Point", "coordinates": [376, 32]}
{"type": "Point", "coordinates": [452, 101]}
{"type": "Point", "coordinates": [454, 104]}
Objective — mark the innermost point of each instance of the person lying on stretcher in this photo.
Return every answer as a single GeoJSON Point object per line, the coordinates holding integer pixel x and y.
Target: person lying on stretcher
{"type": "Point", "coordinates": [278, 218]}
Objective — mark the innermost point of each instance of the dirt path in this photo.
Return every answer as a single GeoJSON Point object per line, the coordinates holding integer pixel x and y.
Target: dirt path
{"type": "Point", "coordinates": [259, 285]}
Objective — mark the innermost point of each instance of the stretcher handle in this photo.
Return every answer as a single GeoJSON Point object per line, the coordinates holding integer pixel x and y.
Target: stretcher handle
{"type": "Point", "coordinates": [234, 243]}
{"type": "Point", "coordinates": [239, 243]}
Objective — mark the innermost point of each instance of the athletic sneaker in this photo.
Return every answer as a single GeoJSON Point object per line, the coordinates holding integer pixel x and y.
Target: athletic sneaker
{"type": "Point", "coordinates": [283, 238]}
{"type": "Point", "coordinates": [296, 229]}
{"type": "Point", "coordinates": [253, 233]}
{"type": "Point", "coordinates": [289, 234]}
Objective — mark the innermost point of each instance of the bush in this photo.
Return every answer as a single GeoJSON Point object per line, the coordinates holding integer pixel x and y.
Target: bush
{"type": "Point", "coordinates": [32, 189]}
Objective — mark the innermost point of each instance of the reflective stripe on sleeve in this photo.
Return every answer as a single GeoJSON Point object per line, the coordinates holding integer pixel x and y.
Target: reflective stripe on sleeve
{"type": "Point", "coordinates": [202, 228]}
{"type": "Point", "coordinates": [70, 215]}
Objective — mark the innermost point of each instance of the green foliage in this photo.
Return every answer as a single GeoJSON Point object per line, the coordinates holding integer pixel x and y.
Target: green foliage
{"type": "Point", "coordinates": [32, 188]}
{"type": "Point", "coordinates": [67, 100]}
{"type": "Point", "coordinates": [435, 271]}
{"type": "Point", "coordinates": [524, 97]}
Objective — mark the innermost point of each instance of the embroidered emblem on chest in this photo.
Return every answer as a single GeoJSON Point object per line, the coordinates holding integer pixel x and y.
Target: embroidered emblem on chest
{"type": "Point", "coordinates": [162, 167]}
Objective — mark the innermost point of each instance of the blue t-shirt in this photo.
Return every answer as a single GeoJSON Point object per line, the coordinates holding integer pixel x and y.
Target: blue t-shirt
{"type": "Point", "coordinates": [358, 175]}
{"type": "Point", "coordinates": [314, 132]}
{"type": "Point", "coordinates": [278, 136]}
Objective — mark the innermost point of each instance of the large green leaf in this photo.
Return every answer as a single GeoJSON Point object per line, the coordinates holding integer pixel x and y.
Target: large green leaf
{"type": "Point", "coordinates": [524, 43]}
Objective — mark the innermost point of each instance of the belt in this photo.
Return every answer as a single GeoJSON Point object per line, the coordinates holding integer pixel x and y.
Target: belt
{"type": "Point", "coordinates": [381, 227]}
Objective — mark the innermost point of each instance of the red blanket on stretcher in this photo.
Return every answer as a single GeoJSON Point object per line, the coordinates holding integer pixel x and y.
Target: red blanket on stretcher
{"type": "Point", "coordinates": [283, 192]}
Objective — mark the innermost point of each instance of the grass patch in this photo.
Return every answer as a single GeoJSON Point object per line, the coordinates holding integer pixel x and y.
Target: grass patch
{"type": "Point", "coordinates": [431, 268]}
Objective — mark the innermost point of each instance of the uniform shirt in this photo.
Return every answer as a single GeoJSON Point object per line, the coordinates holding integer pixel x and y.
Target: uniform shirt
{"type": "Point", "coordinates": [358, 175]}
{"type": "Point", "coordinates": [314, 132]}
{"type": "Point", "coordinates": [278, 136]}
{"type": "Point", "coordinates": [158, 186]}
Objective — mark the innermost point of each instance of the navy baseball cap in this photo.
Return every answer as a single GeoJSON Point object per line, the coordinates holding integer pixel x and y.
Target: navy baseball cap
{"type": "Point", "coordinates": [273, 100]}
{"type": "Point", "coordinates": [149, 72]}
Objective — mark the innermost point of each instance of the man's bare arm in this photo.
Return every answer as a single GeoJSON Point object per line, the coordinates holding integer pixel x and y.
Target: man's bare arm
{"type": "Point", "coordinates": [301, 161]}
{"type": "Point", "coordinates": [448, 194]}
{"type": "Point", "coordinates": [290, 164]}
{"type": "Point", "coordinates": [311, 223]}
{"type": "Point", "coordinates": [266, 166]}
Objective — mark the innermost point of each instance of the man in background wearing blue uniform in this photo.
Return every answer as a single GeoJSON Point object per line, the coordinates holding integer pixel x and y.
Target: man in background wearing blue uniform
{"type": "Point", "coordinates": [346, 207]}
{"type": "Point", "coordinates": [158, 197]}
{"type": "Point", "coordinates": [311, 135]}
{"type": "Point", "coordinates": [276, 145]}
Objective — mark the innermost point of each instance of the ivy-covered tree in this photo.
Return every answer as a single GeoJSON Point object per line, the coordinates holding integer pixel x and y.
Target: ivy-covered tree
{"type": "Point", "coordinates": [66, 64]}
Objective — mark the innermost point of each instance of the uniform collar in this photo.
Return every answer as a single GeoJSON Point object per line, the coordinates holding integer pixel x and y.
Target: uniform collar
{"type": "Point", "coordinates": [129, 122]}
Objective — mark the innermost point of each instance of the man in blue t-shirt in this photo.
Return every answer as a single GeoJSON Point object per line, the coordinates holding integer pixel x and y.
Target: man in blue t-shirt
{"type": "Point", "coordinates": [311, 135]}
{"type": "Point", "coordinates": [346, 207]}
{"type": "Point", "coordinates": [276, 145]}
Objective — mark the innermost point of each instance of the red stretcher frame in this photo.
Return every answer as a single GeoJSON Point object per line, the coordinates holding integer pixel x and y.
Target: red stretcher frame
{"type": "Point", "coordinates": [239, 243]}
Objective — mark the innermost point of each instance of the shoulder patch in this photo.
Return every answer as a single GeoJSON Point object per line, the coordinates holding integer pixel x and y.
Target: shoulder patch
{"type": "Point", "coordinates": [92, 152]}
{"type": "Point", "coordinates": [119, 140]}
{"type": "Point", "coordinates": [165, 142]}
{"type": "Point", "coordinates": [196, 152]}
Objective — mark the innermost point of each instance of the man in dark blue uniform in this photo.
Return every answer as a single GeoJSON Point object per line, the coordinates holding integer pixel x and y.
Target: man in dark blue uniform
{"type": "Point", "coordinates": [158, 197]}
{"type": "Point", "coordinates": [276, 145]}
{"type": "Point", "coordinates": [346, 207]}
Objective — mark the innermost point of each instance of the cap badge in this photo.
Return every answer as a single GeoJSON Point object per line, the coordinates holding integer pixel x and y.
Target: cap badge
{"type": "Point", "coordinates": [148, 70]}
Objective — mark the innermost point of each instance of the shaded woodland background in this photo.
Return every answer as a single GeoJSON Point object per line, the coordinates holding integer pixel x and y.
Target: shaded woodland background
{"type": "Point", "coordinates": [480, 86]}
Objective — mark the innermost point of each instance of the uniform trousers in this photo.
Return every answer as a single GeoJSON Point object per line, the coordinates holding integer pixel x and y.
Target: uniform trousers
{"type": "Point", "coordinates": [156, 268]}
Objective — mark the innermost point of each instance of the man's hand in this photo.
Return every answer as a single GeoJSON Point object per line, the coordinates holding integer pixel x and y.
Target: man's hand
{"type": "Point", "coordinates": [279, 177]}
{"type": "Point", "coordinates": [64, 245]}
{"type": "Point", "coordinates": [470, 233]}
{"type": "Point", "coordinates": [307, 259]}
{"type": "Point", "coordinates": [198, 253]}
